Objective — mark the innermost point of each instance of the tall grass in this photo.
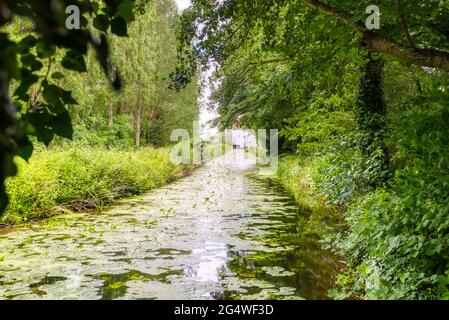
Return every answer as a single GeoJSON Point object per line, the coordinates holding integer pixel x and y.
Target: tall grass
{"type": "Point", "coordinates": [57, 181]}
{"type": "Point", "coordinates": [318, 218]}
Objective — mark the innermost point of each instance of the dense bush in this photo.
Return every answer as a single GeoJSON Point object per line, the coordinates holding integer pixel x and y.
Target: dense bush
{"type": "Point", "coordinates": [339, 175]}
{"type": "Point", "coordinates": [316, 130]}
{"type": "Point", "coordinates": [78, 179]}
{"type": "Point", "coordinates": [95, 132]}
{"type": "Point", "coordinates": [398, 237]}
{"type": "Point", "coordinates": [326, 148]}
{"type": "Point", "coordinates": [369, 133]}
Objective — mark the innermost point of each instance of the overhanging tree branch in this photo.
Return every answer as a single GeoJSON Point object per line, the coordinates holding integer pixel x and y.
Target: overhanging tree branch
{"type": "Point", "coordinates": [423, 57]}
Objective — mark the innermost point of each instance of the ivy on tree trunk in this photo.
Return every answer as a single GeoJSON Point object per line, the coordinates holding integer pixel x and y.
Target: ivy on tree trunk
{"type": "Point", "coordinates": [371, 110]}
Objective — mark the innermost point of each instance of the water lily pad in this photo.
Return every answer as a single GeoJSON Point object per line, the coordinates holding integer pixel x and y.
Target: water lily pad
{"type": "Point", "coordinates": [116, 285]}
{"type": "Point", "coordinates": [278, 272]}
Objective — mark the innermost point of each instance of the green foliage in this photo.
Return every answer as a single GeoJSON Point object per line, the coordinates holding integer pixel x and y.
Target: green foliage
{"type": "Point", "coordinates": [27, 62]}
{"type": "Point", "coordinates": [316, 130]}
{"type": "Point", "coordinates": [145, 59]}
{"type": "Point", "coordinates": [339, 175]}
{"type": "Point", "coordinates": [79, 178]}
{"type": "Point", "coordinates": [95, 132]}
{"type": "Point", "coordinates": [397, 238]}
{"type": "Point", "coordinates": [395, 241]}
{"type": "Point", "coordinates": [296, 174]}
{"type": "Point", "coordinates": [370, 138]}
{"type": "Point", "coordinates": [57, 82]}
{"type": "Point", "coordinates": [371, 110]}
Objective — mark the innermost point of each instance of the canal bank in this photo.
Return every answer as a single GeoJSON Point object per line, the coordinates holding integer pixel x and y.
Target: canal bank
{"type": "Point", "coordinates": [222, 232]}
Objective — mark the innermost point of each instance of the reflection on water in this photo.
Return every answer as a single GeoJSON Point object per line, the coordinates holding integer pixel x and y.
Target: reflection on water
{"type": "Point", "coordinates": [222, 233]}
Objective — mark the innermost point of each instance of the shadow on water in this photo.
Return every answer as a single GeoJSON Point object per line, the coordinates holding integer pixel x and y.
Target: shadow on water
{"type": "Point", "coordinates": [296, 261]}
{"type": "Point", "coordinates": [114, 285]}
{"type": "Point", "coordinates": [218, 234]}
{"type": "Point", "coordinates": [47, 280]}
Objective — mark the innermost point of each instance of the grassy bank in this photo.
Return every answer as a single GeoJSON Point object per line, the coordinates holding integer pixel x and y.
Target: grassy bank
{"type": "Point", "coordinates": [295, 175]}
{"type": "Point", "coordinates": [58, 181]}
{"type": "Point", "coordinates": [318, 220]}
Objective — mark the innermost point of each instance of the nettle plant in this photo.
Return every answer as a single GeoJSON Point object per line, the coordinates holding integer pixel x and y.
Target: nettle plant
{"type": "Point", "coordinates": [31, 102]}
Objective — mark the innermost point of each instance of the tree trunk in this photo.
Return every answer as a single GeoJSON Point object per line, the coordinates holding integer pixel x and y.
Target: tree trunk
{"type": "Point", "coordinates": [138, 124]}
{"type": "Point", "coordinates": [370, 114]}
{"type": "Point", "coordinates": [110, 116]}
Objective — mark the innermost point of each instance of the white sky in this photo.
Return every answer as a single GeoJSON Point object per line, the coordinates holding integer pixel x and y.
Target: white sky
{"type": "Point", "coordinates": [205, 115]}
{"type": "Point", "coordinates": [183, 4]}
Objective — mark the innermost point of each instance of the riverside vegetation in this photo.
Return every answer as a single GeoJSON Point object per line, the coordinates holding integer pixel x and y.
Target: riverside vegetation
{"type": "Point", "coordinates": [120, 139]}
{"type": "Point", "coordinates": [60, 181]}
{"type": "Point", "coordinates": [363, 121]}
{"type": "Point", "coordinates": [362, 115]}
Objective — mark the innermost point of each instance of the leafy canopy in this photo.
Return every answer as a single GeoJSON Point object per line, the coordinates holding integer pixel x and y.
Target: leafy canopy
{"type": "Point", "coordinates": [25, 65]}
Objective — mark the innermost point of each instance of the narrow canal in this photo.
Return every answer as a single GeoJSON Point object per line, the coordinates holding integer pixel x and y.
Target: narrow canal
{"type": "Point", "coordinates": [224, 232]}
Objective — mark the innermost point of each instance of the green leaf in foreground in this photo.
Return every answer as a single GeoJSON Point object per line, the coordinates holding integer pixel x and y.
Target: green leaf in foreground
{"type": "Point", "coordinates": [74, 61]}
{"type": "Point", "coordinates": [118, 27]}
{"type": "Point", "coordinates": [101, 22]}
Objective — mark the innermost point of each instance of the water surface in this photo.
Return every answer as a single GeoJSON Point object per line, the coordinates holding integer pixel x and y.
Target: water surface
{"type": "Point", "coordinates": [224, 232]}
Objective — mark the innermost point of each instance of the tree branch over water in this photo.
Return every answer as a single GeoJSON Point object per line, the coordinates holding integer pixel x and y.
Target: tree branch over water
{"type": "Point", "coordinates": [428, 57]}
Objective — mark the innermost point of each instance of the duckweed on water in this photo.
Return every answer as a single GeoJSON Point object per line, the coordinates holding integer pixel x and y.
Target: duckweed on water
{"type": "Point", "coordinates": [236, 245]}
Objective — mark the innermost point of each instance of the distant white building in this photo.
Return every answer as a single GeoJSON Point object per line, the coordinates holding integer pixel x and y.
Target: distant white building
{"type": "Point", "coordinates": [243, 139]}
